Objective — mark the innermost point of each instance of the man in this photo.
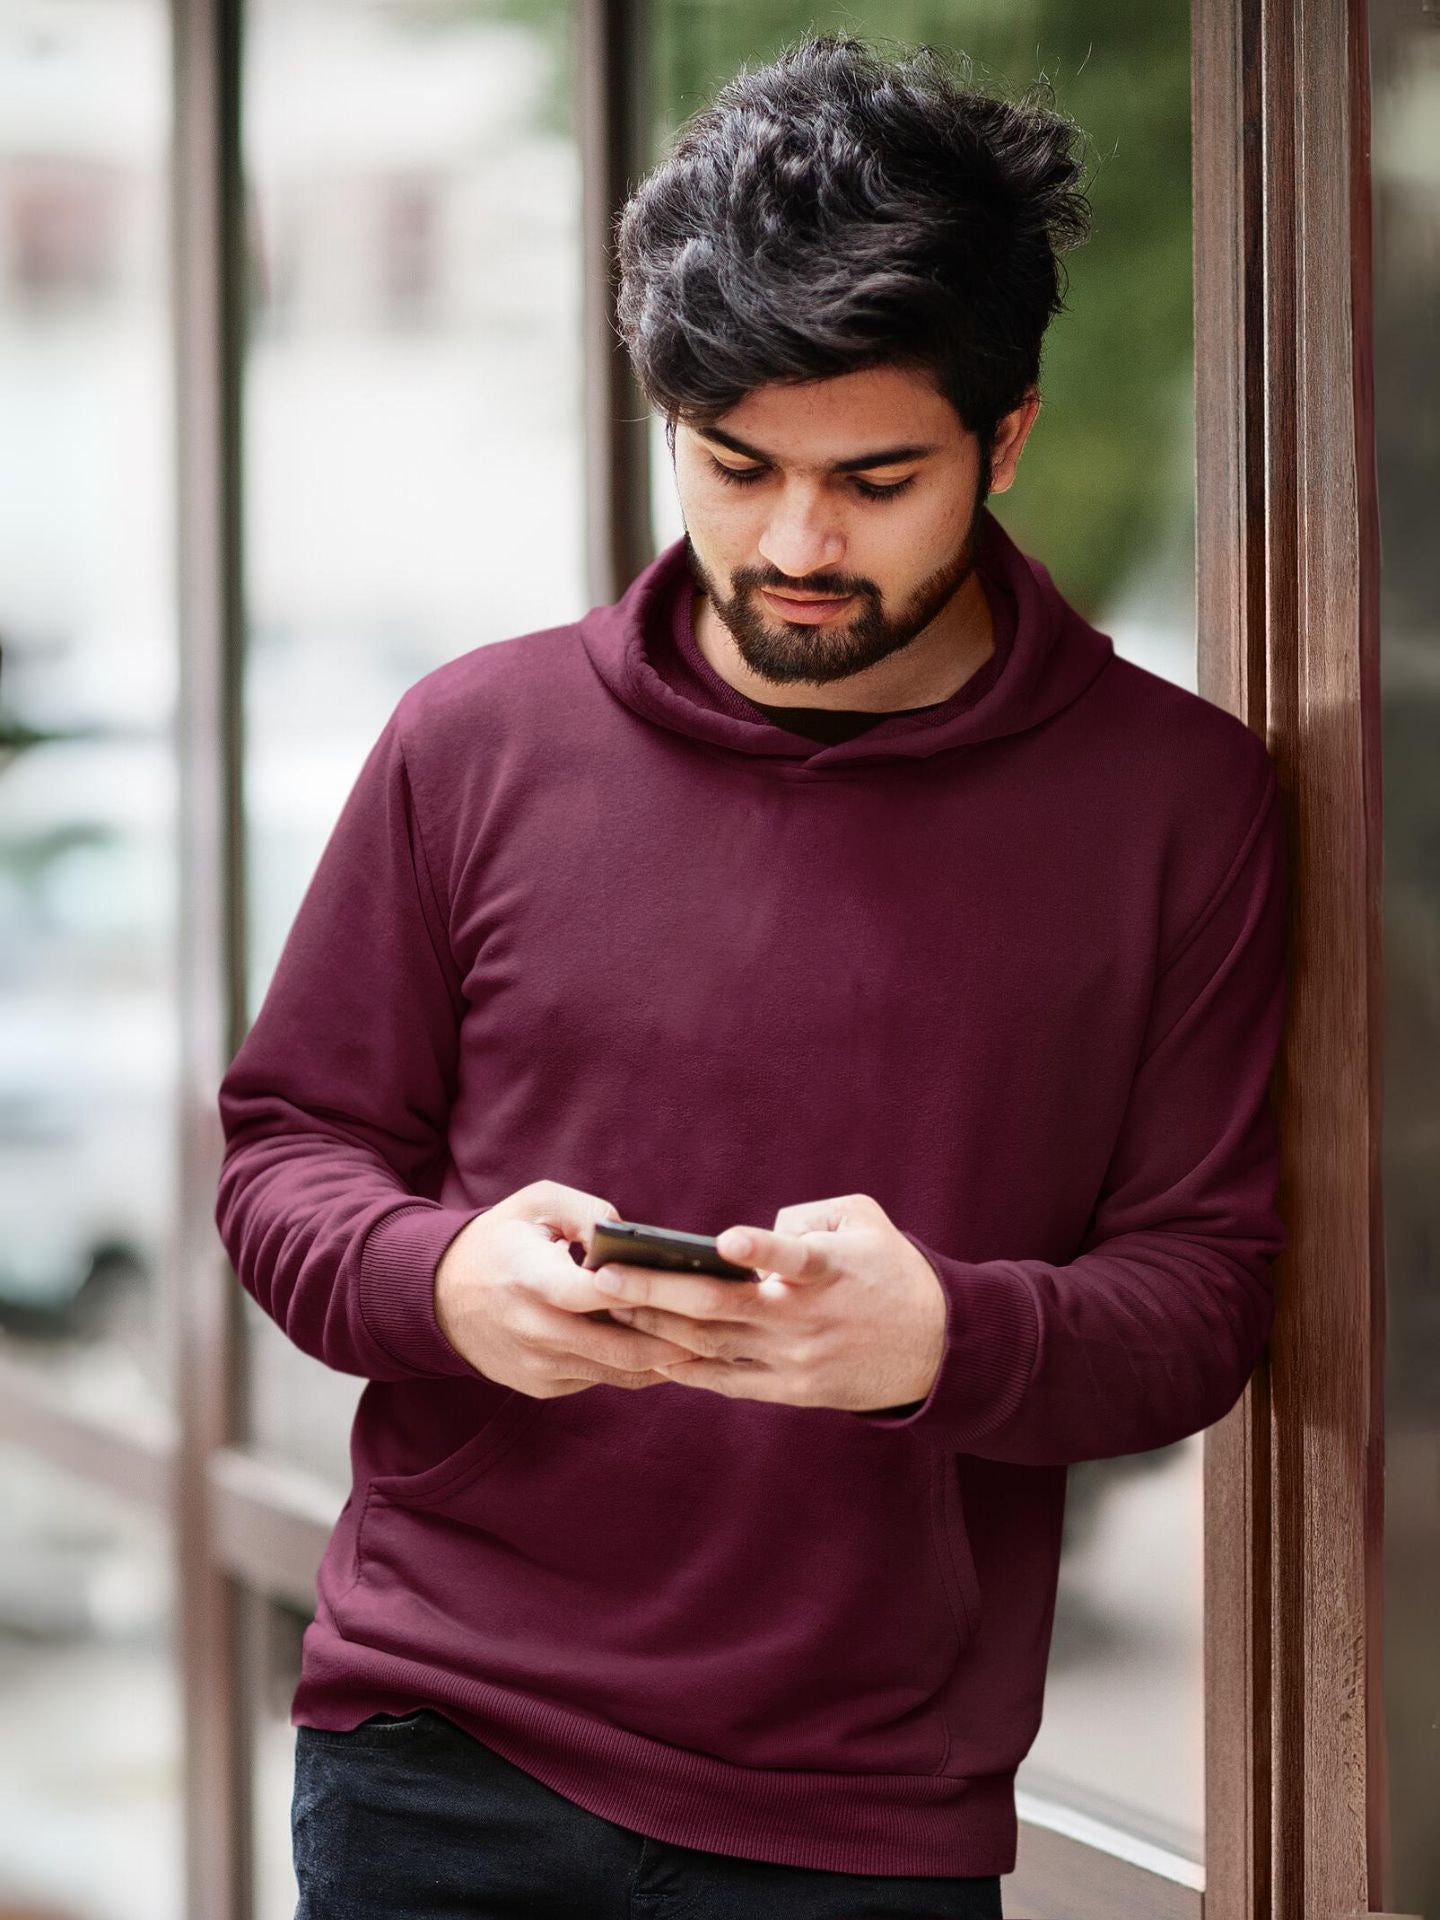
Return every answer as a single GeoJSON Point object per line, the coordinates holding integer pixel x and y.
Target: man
{"type": "Point", "coordinates": [840, 891]}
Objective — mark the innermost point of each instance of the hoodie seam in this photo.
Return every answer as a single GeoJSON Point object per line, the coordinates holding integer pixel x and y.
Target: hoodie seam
{"type": "Point", "coordinates": [921, 766]}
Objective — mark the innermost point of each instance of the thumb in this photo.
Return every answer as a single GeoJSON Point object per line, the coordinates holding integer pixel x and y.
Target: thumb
{"type": "Point", "coordinates": [567, 1213]}
{"type": "Point", "coordinates": [824, 1216]}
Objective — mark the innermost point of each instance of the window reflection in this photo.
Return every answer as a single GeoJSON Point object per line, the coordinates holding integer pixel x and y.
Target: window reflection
{"type": "Point", "coordinates": [1105, 497]}
{"type": "Point", "coordinates": [88, 1034]}
{"type": "Point", "coordinates": [412, 410]}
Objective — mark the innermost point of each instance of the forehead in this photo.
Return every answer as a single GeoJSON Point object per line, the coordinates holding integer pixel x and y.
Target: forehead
{"type": "Point", "coordinates": [819, 425]}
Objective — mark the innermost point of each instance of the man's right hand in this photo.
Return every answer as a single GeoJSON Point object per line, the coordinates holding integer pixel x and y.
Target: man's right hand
{"type": "Point", "coordinates": [510, 1299]}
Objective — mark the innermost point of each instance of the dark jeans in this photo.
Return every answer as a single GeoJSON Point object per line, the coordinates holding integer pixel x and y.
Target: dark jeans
{"type": "Point", "coordinates": [410, 1818]}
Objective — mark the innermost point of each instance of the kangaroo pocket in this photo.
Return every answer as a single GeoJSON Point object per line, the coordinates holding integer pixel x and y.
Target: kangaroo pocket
{"type": "Point", "coordinates": [774, 1586]}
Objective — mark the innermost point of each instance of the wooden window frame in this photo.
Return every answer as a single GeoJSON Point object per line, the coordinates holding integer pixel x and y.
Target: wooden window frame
{"type": "Point", "coordinates": [1287, 610]}
{"type": "Point", "coordinates": [1287, 538]}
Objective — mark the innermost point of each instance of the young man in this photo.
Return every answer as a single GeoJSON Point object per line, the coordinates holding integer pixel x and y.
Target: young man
{"type": "Point", "coordinates": [837, 890]}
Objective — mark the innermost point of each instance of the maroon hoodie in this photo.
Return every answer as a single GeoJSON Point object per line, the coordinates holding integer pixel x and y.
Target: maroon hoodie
{"type": "Point", "coordinates": [1012, 964]}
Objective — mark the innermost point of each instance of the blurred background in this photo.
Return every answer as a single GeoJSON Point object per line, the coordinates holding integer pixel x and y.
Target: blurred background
{"type": "Point", "coordinates": [410, 432]}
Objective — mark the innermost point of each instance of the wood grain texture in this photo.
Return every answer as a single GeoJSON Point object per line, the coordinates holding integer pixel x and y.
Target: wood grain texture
{"type": "Point", "coordinates": [1230, 488]}
{"type": "Point", "coordinates": [1288, 558]}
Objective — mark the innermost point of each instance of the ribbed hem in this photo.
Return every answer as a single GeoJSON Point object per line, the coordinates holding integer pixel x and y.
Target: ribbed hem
{"type": "Point", "coordinates": [903, 1823]}
{"type": "Point", "coordinates": [992, 1330]}
{"type": "Point", "coordinates": [397, 1285]}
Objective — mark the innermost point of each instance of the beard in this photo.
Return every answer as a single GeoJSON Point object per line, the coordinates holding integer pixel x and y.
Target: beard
{"type": "Point", "coordinates": [787, 653]}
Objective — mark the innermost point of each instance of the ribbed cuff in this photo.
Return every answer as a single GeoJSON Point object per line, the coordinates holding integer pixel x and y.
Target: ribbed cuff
{"type": "Point", "coordinates": [991, 1334]}
{"type": "Point", "coordinates": [397, 1285]}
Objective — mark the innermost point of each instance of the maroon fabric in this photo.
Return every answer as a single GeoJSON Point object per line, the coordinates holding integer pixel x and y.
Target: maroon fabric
{"type": "Point", "coordinates": [1013, 965]}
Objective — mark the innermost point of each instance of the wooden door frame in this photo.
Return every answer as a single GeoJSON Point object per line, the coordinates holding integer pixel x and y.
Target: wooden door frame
{"type": "Point", "coordinates": [1288, 554]}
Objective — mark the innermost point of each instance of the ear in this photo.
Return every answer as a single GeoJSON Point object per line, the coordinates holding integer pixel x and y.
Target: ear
{"type": "Point", "coordinates": [1011, 434]}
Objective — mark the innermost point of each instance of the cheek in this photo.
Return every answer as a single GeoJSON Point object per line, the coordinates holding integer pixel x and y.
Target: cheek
{"type": "Point", "coordinates": [726, 522]}
{"type": "Point", "coordinates": [935, 530]}
{"type": "Point", "coordinates": [916, 544]}
{"type": "Point", "coordinates": [723, 536]}
{"type": "Point", "coordinates": [697, 500]}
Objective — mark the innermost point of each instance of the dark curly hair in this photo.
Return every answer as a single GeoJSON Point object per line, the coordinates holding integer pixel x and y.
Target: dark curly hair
{"type": "Point", "coordinates": [835, 211]}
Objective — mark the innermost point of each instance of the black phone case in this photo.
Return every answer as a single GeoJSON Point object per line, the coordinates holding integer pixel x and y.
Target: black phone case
{"type": "Point", "coordinates": [641, 1246]}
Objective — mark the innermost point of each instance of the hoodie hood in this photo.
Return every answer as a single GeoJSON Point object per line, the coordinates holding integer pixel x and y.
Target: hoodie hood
{"type": "Point", "coordinates": [1046, 663]}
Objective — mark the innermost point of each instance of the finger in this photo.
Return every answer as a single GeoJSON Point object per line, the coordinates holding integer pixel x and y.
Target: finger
{"type": "Point", "coordinates": [608, 1378]}
{"type": "Point", "coordinates": [728, 1377]}
{"type": "Point", "coordinates": [710, 1339]}
{"type": "Point", "coordinates": [693, 1295]}
{"type": "Point", "coordinates": [793, 1258]}
{"type": "Point", "coordinates": [561, 1212]}
{"type": "Point", "coordinates": [625, 1348]}
{"type": "Point", "coordinates": [817, 1216]}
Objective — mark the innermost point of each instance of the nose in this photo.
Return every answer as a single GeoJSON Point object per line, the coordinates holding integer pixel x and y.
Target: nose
{"type": "Point", "coordinates": [801, 538]}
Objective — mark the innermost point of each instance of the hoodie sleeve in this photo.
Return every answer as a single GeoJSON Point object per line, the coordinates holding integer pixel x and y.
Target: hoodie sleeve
{"type": "Point", "coordinates": [335, 1106]}
{"type": "Point", "coordinates": [1153, 1330]}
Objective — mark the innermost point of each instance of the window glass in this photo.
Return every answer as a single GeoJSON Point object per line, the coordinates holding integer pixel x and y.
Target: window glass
{"type": "Point", "coordinates": [90, 1821]}
{"type": "Point", "coordinates": [281, 1630]}
{"type": "Point", "coordinates": [1105, 498]}
{"type": "Point", "coordinates": [88, 1020]}
{"type": "Point", "coordinates": [1405, 188]}
{"type": "Point", "coordinates": [411, 425]}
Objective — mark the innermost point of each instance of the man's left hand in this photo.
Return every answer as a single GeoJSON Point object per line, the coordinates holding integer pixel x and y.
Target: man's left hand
{"type": "Point", "coordinates": [847, 1312]}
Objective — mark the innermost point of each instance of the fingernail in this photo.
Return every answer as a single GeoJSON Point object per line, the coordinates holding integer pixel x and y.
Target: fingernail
{"type": "Point", "coordinates": [737, 1243]}
{"type": "Point", "coordinates": [609, 1282]}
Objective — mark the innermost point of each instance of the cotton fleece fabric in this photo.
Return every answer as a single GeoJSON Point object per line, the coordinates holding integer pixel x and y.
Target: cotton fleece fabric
{"type": "Point", "coordinates": [1011, 964]}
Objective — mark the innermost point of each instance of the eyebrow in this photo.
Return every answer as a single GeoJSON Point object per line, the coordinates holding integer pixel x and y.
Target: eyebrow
{"type": "Point", "coordinates": [885, 457]}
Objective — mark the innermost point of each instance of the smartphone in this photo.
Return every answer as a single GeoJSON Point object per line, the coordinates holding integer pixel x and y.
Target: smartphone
{"type": "Point", "coordinates": [668, 1247]}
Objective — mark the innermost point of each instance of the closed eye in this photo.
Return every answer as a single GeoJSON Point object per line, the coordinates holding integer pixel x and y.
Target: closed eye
{"type": "Point", "coordinates": [867, 489]}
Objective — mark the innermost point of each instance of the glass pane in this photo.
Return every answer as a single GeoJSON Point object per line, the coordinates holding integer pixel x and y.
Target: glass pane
{"type": "Point", "coordinates": [1105, 498]}
{"type": "Point", "coordinates": [414, 474]}
{"type": "Point", "coordinates": [90, 1770]}
{"type": "Point", "coordinates": [88, 1032]}
{"type": "Point", "coordinates": [1405, 55]}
